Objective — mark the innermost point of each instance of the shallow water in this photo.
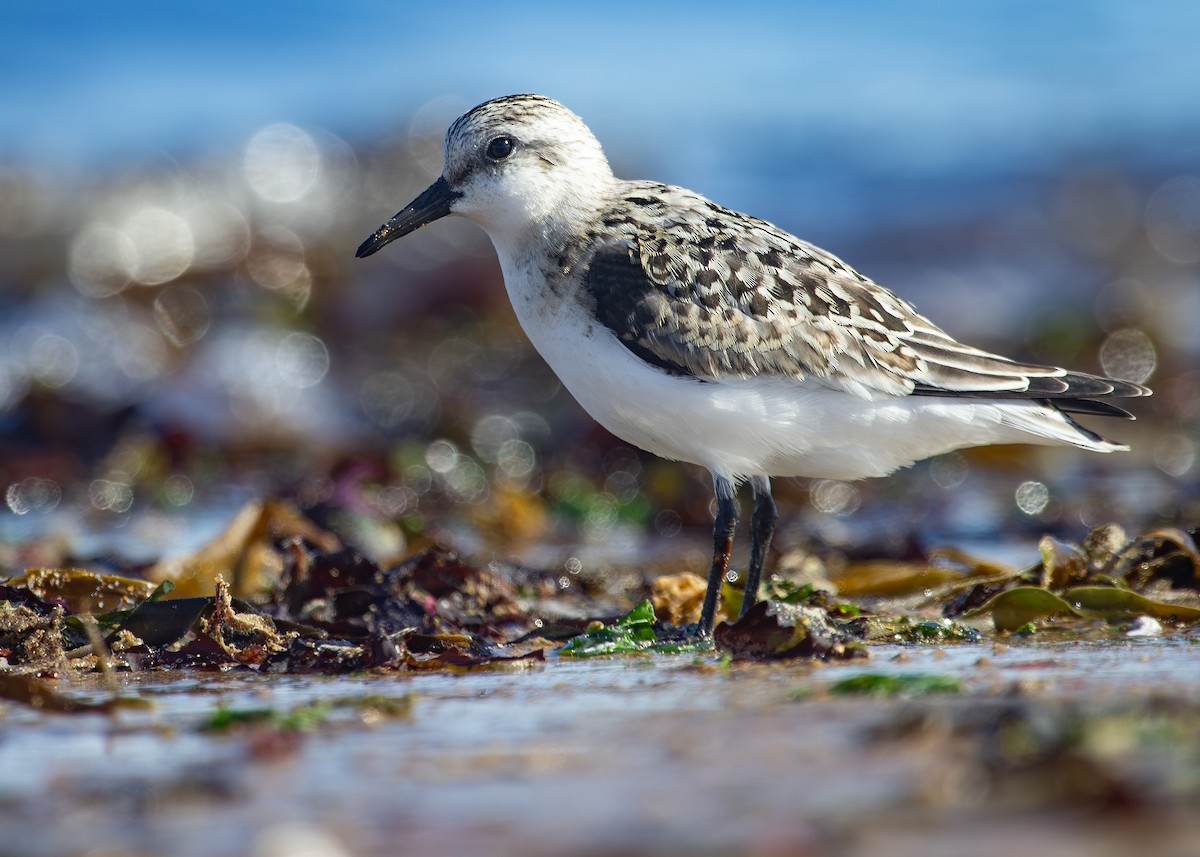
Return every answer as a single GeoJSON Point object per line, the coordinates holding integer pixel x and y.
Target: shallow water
{"type": "Point", "coordinates": [633, 755]}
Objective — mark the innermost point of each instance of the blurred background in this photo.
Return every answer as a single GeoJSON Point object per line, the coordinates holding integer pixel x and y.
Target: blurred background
{"type": "Point", "coordinates": [183, 325]}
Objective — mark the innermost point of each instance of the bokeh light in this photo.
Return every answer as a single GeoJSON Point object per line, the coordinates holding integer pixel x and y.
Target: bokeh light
{"type": "Point", "coordinates": [162, 244]}
{"type": "Point", "coordinates": [1129, 355]}
{"type": "Point", "coordinates": [600, 511]}
{"type": "Point", "coordinates": [178, 489]}
{"type": "Point", "coordinates": [459, 475]}
{"type": "Point", "coordinates": [1032, 497]}
{"type": "Point", "coordinates": [282, 163]}
{"type": "Point", "coordinates": [834, 498]}
{"type": "Point", "coordinates": [220, 233]}
{"type": "Point", "coordinates": [32, 495]}
{"type": "Point", "coordinates": [441, 455]}
{"type": "Point", "coordinates": [182, 313]}
{"type": "Point", "coordinates": [668, 523]}
{"type": "Point", "coordinates": [516, 459]}
{"type": "Point", "coordinates": [950, 470]}
{"type": "Point", "coordinates": [302, 360]}
{"type": "Point", "coordinates": [491, 433]}
{"type": "Point", "coordinates": [101, 260]}
{"type": "Point", "coordinates": [107, 495]}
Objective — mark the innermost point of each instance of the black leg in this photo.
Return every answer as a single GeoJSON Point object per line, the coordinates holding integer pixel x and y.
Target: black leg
{"type": "Point", "coordinates": [723, 527]}
{"type": "Point", "coordinates": [762, 527]}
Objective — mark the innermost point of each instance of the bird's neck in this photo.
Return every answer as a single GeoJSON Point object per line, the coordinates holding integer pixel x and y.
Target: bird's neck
{"type": "Point", "coordinates": [547, 231]}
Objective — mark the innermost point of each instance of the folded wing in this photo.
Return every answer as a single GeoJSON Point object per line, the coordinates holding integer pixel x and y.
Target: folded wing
{"type": "Point", "coordinates": [714, 293]}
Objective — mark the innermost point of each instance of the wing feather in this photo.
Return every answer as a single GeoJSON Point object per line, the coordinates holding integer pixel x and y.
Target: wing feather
{"type": "Point", "coordinates": [700, 290]}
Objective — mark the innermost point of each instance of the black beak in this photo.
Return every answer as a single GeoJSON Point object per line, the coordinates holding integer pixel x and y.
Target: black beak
{"type": "Point", "coordinates": [431, 205]}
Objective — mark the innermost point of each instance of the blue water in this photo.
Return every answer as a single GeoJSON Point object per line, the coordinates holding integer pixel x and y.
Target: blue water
{"type": "Point", "coordinates": [686, 90]}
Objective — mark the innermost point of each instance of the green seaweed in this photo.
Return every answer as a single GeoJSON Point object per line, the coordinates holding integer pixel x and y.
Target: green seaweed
{"type": "Point", "coordinates": [305, 717]}
{"type": "Point", "coordinates": [909, 684]}
{"type": "Point", "coordinates": [913, 629]}
{"type": "Point", "coordinates": [1021, 605]}
{"type": "Point", "coordinates": [633, 633]}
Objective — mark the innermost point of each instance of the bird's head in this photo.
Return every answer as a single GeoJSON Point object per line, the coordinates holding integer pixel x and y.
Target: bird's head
{"type": "Point", "coordinates": [515, 166]}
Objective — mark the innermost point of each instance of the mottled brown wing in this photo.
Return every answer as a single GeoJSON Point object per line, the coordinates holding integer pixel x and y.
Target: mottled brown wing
{"type": "Point", "coordinates": [719, 294]}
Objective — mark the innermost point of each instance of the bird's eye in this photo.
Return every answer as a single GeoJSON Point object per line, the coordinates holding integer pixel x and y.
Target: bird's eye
{"type": "Point", "coordinates": [499, 148]}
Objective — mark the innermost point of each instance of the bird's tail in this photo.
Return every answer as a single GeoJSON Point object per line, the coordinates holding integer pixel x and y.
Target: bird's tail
{"type": "Point", "coordinates": [1045, 421]}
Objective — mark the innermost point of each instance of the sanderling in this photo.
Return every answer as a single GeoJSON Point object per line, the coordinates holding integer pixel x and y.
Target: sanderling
{"type": "Point", "coordinates": [708, 336]}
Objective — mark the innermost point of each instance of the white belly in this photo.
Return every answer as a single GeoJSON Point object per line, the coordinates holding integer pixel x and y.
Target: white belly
{"type": "Point", "coordinates": [774, 427]}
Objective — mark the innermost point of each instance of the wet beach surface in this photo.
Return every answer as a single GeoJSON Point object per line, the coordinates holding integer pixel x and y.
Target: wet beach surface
{"type": "Point", "coordinates": [1087, 745]}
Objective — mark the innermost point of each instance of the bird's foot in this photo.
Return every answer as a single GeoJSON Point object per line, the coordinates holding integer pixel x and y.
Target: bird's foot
{"type": "Point", "coordinates": [692, 637]}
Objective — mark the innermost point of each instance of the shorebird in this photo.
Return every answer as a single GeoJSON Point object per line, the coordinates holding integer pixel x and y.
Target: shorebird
{"type": "Point", "coordinates": [708, 336]}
